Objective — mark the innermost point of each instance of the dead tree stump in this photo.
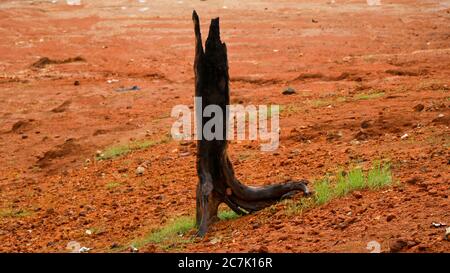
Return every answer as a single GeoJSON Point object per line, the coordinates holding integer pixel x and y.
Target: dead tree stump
{"type": "Point", "coordinates": [217, 182]}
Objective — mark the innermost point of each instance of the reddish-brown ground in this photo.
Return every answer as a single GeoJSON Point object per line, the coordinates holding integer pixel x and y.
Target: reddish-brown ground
{"type": "Point", "coordinates": [50, 193]}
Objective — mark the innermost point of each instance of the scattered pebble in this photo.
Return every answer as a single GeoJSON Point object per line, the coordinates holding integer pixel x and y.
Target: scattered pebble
{"type": "Point", "coordinates": [438, 224]}
{"type": "Point", "coordinates": [289, 91]}
{"type": "Point", "coordinates": [419, 107]}
{"type": "Point", "coordinates": [112, 81]}
{"type": "Point", "coordinates": [84, 249]}
{"type": "Point", "coordinates": [447, 234]}
{"type": "Point", "coordinates": [365, 124]}
{"type": "Point", "coordinates": [390, 217]}
{"type": "Point", "coordinates": [357, 194]}
{"type": "Point", "coordinates": [140, 170]}
{"type": "Point", "coordinates": [404, 136]}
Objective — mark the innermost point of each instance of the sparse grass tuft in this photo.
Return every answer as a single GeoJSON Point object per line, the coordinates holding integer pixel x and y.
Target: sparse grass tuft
{"type": "Point", "coordinates": [170, 234]}
{"type": "Point", "coordinates": [342, 186]}
{"type": "Point", "coordinates": [377, 177]}
{"type": "Point", "coordinates": [120, 150]}
{"type": "Point", "coordinates": [227, 215]}
{"type": "Point", "coordinates": [14, 213]}
{"type": "Point", "coordinates": [323, 191]}
{"type": "Point", "coordinates": [369, 96]}
{"type": "Point", "coordinates": [355, 179]}
{"type": "Point", "coordinates": [173, 234]}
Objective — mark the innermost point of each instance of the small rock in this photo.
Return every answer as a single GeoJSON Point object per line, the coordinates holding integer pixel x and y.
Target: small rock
{"type": "Point", "coordinates": [419, 107]}
{"type": "Point", "coordinates": [84, 249]}
{"type": "Point", "coordinates": [390, 217]}
{"type": "Point", "coordinates": [438, 224]}
{"type": "Point", "coordinates": [404, 136]}
{"type": "Point", "coordinates": [365, 124]}
{"type": "Point", "coordinates": [357, 194]}
{"type": "Point", "coordinates": [76, 83]}
{"type": "Point", "coordinates": [289, 91]}
{"type": "Point", "coordinates": [397, 245]}
{"type": "Point", "coordinates": [414, 180]}
{"type": "Point", "coordinates": [447, 234]}
{"type": "Point", "coordinates": [140, 170]}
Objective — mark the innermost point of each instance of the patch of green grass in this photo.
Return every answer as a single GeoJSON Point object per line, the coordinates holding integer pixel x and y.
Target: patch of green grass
{"type": "Point", "coordinates": [369, 96]}
{"type": "Point", "coordinates": [227, 215]}
{"type": "Point", "coordinates": [120, 150]}
{"type": "Point", "coordinates": [342, 186]}
{"type": "Point", "coordinates": [114, 151]}
{"type": "Point", "coordinates": [14, 213]}
{"type": "Point", "coordinates": [379, 176]}
{"type": "Point", "coordinates": [173, 233]}
{"type": "Point", "coordinates": [323, 191]}
{"type": "Point", "coordinates": [355, 179]}
{"type": "Point", "coordinates": [345, 184]}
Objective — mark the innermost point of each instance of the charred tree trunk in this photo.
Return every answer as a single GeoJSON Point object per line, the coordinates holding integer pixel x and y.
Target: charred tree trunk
{"type": "Point", "coordinates": [217, 182]}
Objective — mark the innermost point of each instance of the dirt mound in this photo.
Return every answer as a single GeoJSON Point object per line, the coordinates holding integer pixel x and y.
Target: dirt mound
{"type": "Point", "coordinates": [42, 62]}
{"type": "Point", "coordinates": [68, 147]}
{"type": "Point", "coordinates": [398, 72]}
{"type": "Point", "coordinates": [63, 107]}
{"type": "Point", "coordinates": [22, 126]}
{"type": "Point", "coordinates": [340, 77]}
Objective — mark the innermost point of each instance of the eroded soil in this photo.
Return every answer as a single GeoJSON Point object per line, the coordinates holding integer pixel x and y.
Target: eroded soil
{"type": "Point", "coordinates": [364, 77]}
